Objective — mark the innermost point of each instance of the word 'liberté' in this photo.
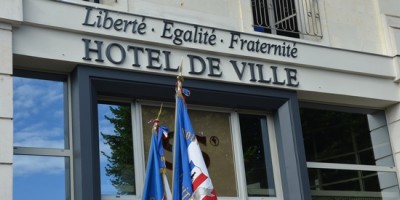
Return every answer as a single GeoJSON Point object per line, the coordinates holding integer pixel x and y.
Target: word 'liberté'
{"type": "Point", "coordinates": [199, 66]}
{"type": "Point", "coordinates": [103, 20]}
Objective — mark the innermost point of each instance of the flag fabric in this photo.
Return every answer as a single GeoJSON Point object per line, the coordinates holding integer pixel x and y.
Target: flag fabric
{"type": "Point", "coordinates": [190, 177]}
{"type": "Point", "coordinates": [156, 187]}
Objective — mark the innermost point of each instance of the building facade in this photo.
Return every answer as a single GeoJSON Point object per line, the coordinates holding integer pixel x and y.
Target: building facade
{"type": "Point", "coordinates": [290, 99]}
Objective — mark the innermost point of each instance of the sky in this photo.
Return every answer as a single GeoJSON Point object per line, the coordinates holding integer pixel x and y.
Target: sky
{"type": "Point", "coordinates": [39, 122]}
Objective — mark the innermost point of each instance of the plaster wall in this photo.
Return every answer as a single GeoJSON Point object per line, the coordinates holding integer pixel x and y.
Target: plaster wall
{"type": "Point", "coordinates": [10, 15]}
{"type": "Point", "coordinates": [393, 122]}
{"type": "Point", "coordinates": [354, 25]}
{"type": "Point", "coordinates": [326, 74]}
{"type": "Point", "coordinates": [6, 112]}
{"type": "Point", "coordinates": [222, 13]}
{"type": "Point", "coordinates": [11, 11]}
{"type": "Point", "coordinates": [390, 7]}
{"type": "Point", "coordinates": [351, 65]}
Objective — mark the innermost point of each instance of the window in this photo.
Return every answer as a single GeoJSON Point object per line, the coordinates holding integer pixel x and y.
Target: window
{"type": "Point", "coordinates": [41, 137]}
{"type": "Point", "coordinates": [214, 136]}
{"type": "Point", "coordinates": [118, 139]}
{"type": "Point", "coordinates": [291, 18]}
{"type": "Point", "coordinates": [257, 155]}
{"type": "Point", "coordinates": [349, 157]}
{"type": "Point", "coordinates": [217, 122]}
{"type": "Point", "coordinates": [116, 150]}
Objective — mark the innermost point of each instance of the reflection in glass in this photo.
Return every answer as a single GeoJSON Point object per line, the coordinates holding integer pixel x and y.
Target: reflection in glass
{"type": "Point", "coordinates": [214, 136]}
{"type": "Point", "coordinates": [38, 113]}
{"type": "Point", "coordinates": [39, 178]}
{"type": "Point", "coordinates": [346, 139]}
{"type": "Point", "coordinates": [116, 149]}
{"type": "Point", "coordinates": [257, 155]}
{"type": "Point", "coordinates": [340, 137]}
{"type": "Point", "coordinates": [347, 184]}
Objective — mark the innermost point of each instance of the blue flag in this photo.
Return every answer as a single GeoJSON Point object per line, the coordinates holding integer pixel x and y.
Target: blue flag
{"type": "Point", "coordinates": [182, 183]}
{"type": "Point", "coordinates": [154, 187]}
{"type": "Point", "coordinates": [190, 179]}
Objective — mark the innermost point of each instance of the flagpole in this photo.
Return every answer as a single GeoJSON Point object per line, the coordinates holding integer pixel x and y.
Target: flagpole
{"type": "Point", "coordinates": [178, 91]}
{"type": "Point", "coordinates": [157, 121]}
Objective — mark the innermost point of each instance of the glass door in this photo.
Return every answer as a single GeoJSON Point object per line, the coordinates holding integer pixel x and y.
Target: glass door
{"type": "Point", "coordinates": [239, 149]}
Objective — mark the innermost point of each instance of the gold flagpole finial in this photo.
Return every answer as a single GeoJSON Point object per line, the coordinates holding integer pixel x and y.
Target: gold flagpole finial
{"type": "Point", "coordinates": [156, 121]}
{"type": "Point", "coordinates": [180, 76]}
{"type": "Point", "coordinates": [159, 112]}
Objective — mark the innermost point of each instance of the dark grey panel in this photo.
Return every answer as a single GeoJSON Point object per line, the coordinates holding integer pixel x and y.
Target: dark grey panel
{"type": "Point", "coordinates": [90, 82]}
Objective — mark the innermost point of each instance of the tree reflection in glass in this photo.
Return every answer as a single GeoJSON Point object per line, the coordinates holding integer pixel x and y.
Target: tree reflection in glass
{"type": "Point", "coordinates": [116, 149]}
{"type": "Point", "coordinates": [344, 139]}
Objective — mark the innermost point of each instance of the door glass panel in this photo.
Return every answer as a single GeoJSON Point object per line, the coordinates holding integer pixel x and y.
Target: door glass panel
{"type": "Point", "coordinates": [214, 136]}
{"type": "Point", "coordinates": [257, 155]}
{"type": "Point", "coordinates": [116, 149]}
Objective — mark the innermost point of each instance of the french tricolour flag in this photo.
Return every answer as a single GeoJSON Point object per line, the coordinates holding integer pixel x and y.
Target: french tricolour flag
{"type": "Point", "coordinates": [190, 177]}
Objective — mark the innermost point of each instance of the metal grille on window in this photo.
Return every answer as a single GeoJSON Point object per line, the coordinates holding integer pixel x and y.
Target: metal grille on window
{"type": "Point", "coordinates": [292, 18]}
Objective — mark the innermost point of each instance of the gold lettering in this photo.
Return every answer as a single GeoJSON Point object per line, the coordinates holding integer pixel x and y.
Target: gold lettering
{"type": "Point", "coordinates": [187, 135]}
{"type": "Point", "coordinates": [185, 193]}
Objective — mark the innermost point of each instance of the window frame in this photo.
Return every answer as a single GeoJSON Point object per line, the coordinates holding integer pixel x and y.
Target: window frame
{"type": "Point", "coordinates": [239, 156]}
{"type": "Point", "coordinates": [307, 22]}
{"type": "Point", "coordinates": [376, 120]}
{"type": "Point", "coordinates": [89, 83]}
{"type": "Point", "coordinates": [66, 152]}
{"type": "Point", "coordinates": [269, 21]}
{"type": "Point", "coordinates": [139, 152]}
{"type": "Point", "coordinates": [115, 101]}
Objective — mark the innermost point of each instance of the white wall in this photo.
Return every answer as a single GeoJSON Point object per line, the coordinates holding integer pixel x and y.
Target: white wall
{"type": "Point", "coordinates": [390, 7]}
{"type": "Point", "coordinates": [348, 24]}
{"type": "Point", "coordinates": [391, 17]}
{"type": "Point", "coordinates": [11, 11]}
{"type": "Point", "coordinates": [354, 25]}
{"type": "Point", "coordinates": [222, 13]}
{"type": "Point", "coordinates": [6, 112]}
{"type": "Point", "coordinates": [328, 75]}
{"type": "Point", "coordinates": [10, 15]}
{"type": "Point", "coordinates": [393, 120]}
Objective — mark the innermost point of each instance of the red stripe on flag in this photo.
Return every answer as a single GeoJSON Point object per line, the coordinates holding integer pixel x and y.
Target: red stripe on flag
{"type": "Point", "coordinates": [198, 181]}
{"type": "Point", "coordinates": [214, 197]}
